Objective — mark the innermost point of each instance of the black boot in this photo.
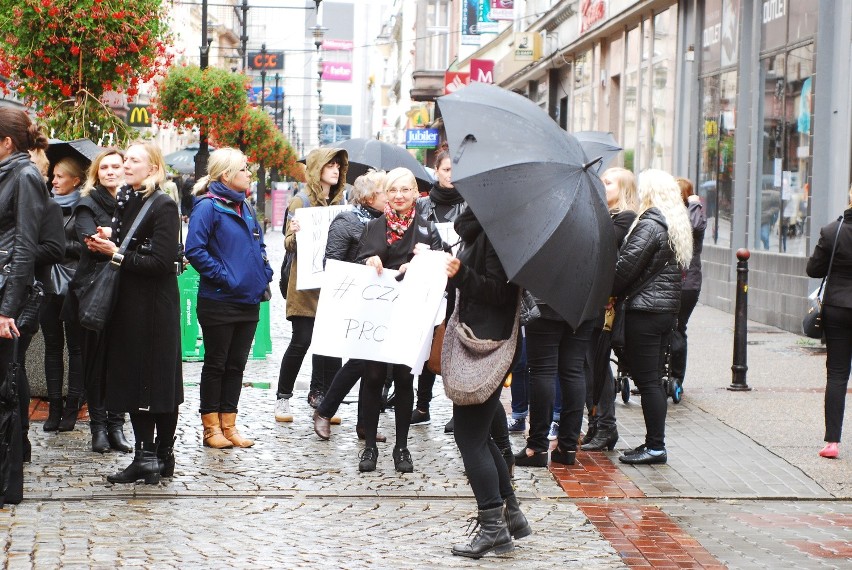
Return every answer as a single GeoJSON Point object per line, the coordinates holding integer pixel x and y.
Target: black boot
{"type": "Point", "coordinates": [166, 455]}
{"type": "Point", "coordinates": [100, 443]}
{"type": "Point", "coordinates": [54, 415]}
{"type": "Point", "coordinates": [145, 466]}
{"type": "Point", "coordinates": [509, 458]}
{"type": "Point", "coordinates": [69, 414]}
{"type": "Point", "coordinates": [604, 438]}
{"type": "Point", "coordinates": [493, 536]}
{"type": "Point", "coordinates": [117, 441]}
{"type": "Point", "coordinates": [516, 522]}
{"type": "Point", "coordinates": [590, 433]}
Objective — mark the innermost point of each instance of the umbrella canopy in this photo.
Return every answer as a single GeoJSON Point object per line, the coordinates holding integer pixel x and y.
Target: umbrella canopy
{"type": "Point", "coordinates": [598, 144]}
{"type": "Point", "coordinates": [82, 150]}
{"type": "Point", "coordinates": [529, 186]}
{"type": "Point", "coordinates": [365, 154]}
{"type": "Point", "coordinates": [182, 161]}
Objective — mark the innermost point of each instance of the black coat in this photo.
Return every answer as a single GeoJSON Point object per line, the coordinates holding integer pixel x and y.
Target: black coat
{"type": "Point", "coordinates": [143, 351]}
{"type": "Point", "coordinates": [51, 243]}
{"type": "Point", "coordinates": [645, 250]}
{"type": "Point", "coordinates": [838, 288]}
{"type": "Point", "coordinates": [488, 303]}
{"type": "Point", "coordinates": [345, 232]}
{"type": "Point", "coordinates": [23, 196]}
{"type": "Point", "coordinates": [374, 241]}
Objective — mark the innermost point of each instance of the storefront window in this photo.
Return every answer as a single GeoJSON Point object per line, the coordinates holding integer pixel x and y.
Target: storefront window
{"type": "Point", "coordinates": [583, 93]}
{"type": "Point", "coordinates": [716, 161]}
{"type": "Point", "coordinates": [663, 75]}
{"type": "Point", "coordinates": [711, 36]}
{"type": "Point", "coordinates": [803, 19]}
{"type": "Point", "coordinates": [786, 111]}
{"type": "Point", "coordinates": [631, 99]}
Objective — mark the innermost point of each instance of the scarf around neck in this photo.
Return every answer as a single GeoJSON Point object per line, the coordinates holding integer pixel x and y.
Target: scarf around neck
{"type": "Point", "coordinates": [445, 196]}
{"type": "Point", "coordinates": [68, 200]}
{"type": "Point", "coordinates": [397, 224]}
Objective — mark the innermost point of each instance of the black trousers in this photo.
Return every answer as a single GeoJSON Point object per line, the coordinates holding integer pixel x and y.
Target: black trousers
{"type": "Point", "coordinates": [146, 424]}
{"type": "Point", "coordinates": [323, 368]}
{"type": "Point", "coordinates": [553, 348]}
{"type": "Point", "coordinates": [226, 350]}
{"type": "Point", "coordinates": [57, 334]}
{"type": "Point", "coordinates": [92, 350]}
{"type": "Point", "coordinates": [838, 361]}
{"type": "Point", "coordinates": [604, 417]}
{"type": "Point", "coordinates": [425, 385]}
{"type": "Point", "coordinates": [688, 300]}
{"type": "Point", "coordinates": [646, 337]}
{"type": "Point", "coordinates": [341, 385]}
{"type": "Point", "coordinates": [23, 382]}
{"type": "Point", "coordinates": [483, 461]}
{"type": "Point", "coordinates": [373, 381]}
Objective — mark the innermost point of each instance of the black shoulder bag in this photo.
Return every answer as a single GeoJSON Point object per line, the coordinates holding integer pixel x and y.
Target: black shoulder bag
{"type": "Point", "coordinates": [290, 256]}
{"type": "Point", "coordinates": [618, 335]}
{"type": "Point", "coordinates": [812, 323]}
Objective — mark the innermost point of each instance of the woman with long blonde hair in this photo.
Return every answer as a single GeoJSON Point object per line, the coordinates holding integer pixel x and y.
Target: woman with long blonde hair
{"type": "Point", "coordinates": [649, 273]}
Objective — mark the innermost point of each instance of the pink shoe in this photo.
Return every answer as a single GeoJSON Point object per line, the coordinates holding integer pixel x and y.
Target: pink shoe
{"type": "Point", "coordinates": [830, 450]}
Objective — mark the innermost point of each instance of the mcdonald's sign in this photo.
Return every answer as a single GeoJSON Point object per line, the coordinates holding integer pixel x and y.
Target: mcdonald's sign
{"type": "Point", "coordinates": [138, 116]}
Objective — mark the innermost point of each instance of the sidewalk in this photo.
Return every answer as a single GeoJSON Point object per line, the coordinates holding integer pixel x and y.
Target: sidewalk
{"type": "Point", "coordinates": [744, 487]}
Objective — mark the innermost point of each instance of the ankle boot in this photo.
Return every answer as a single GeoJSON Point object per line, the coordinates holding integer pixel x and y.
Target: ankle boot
{"type": "Point", "coordinates": [604, 438]}
{"type": "Point", "coordinates": [100, 443]}
{"type": "Point", "coordinates": [117, 441]}
{"type": "Point", "coordinates": [229, 430]}
{"type": "Point", "coordinates": [145, 466]}
{"type": "Point", "coordinates": [54, 415]}
{"type": "Point", "coordinates": [509, 458]}
{"type": "Point", "coordinates": [213, 432]}
{"type": "Point", "coordinates": [166, 455]}
{"type": "Point", "coordinates": [69, 413]}
{"type": "Point", "coordinates": [516, 522]}
{"type": "Point", "coordinates": [492, 536]}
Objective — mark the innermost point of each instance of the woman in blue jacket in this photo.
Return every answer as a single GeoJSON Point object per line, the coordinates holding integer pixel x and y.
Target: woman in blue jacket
{"type": "Point", "coordinates": [225, 245]}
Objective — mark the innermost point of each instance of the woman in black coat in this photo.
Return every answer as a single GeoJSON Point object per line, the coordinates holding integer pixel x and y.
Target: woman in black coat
{"type": "Point", "coordinates": [389, 241]}
{"type": "Point", "coordinates": [837, 321]}
{"type": "Point", "coordinates": [142, 372]}
{"type": "Point", "coordinates": [96, 208]}
{"type": "Point", "coordinates": [488, 304]}
{"type": "Point", "coordinates": [369, 199]}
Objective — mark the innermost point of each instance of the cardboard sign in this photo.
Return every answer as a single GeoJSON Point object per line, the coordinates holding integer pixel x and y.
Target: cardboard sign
{"type": "Point", "coordinates": [310, 243]}
{"type": "Point", "coordinates": [365, 315]}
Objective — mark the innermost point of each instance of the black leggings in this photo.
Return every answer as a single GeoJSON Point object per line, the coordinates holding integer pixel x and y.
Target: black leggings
{"type": "Point", "coordinates": [343, 382]}
{"type": "Point", "coordinates": [146, 423]}
{"type": "Point", "coordinates": [483, 461]}
{"type": "Point", "coordinates": [57, 334]}
{"type": "Point", "coordinates": [374, 381]}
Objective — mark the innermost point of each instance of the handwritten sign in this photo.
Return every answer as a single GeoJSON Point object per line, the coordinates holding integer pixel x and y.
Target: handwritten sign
{"type": "Point", "coordinates": [365, 315]}
{"type": "Point", "coordinates": [310, 243]}
{"type": "Point", "coordinates": [449, 235]}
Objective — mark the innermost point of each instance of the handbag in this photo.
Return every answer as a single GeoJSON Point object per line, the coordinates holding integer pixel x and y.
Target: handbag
{"type": "Point", "coordinates": [473, 368]}
{"type": "Point", "coordinates": [617, 334]}
{"type": "Point", "coordinates": [433, 365]}
{"type": "Point", "coordinates": [60, 277]}
{"type": "Point", "coordinates": [97, 297]}
{"type": "Point", "coordinates": [27, 321]}
{"type": "Point", "coordinates": [287, 264]}
{"type": "Point", "coordinates": [812, 323]}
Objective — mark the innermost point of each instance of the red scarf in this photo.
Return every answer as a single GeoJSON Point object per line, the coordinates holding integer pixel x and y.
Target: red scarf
{"type": "Point", "coordinates": [397, 224]}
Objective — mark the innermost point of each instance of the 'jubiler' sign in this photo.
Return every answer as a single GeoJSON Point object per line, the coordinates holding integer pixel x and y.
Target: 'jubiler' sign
{"type": "Point", "coordinates": [421, 138]}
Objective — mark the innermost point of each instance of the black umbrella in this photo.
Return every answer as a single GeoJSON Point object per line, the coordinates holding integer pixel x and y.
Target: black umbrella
{"type": "Point", "coordinates": [182, 161]}
{"type": "Point", "coordinates": [542, 208]}
{"type": "Point", "coordinates": [82, 150]}
{"type": "Point", "coordinates": [600, 359]}
{"type": "Point", "coordinates": [599, 144]}
{"type": "Point", "coordinates": [365, 154]}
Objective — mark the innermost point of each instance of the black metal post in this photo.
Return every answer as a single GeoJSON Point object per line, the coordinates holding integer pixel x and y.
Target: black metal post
{"type": "Point", "coordinates": [740, 366]}
{"type": "Point", "coordinates": [260, 204]}
{"type": "Point", "coordinates": [203, 151]}
{"type": "Point", "coordinates": [244, 36]}
{"type": "Point", "coordinates": [277, 79]}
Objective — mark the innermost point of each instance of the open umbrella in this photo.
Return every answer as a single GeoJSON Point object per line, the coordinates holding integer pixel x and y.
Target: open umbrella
{"type": "Point", "coordinates": [82, 150]}
{"type": "Point", "coordinates": [598, 144]}
{"type": "Point", "coordinates": [539, 204]}
{"type": "Point", "coordinates": [182, 161]}
{"type": "Point", "coordinates": [365, 154]}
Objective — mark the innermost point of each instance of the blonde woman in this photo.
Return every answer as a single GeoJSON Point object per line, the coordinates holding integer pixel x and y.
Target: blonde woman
{"type": "Point", "coordinates": [142, 373]}
{"type": "Point", "coordinates": [225, 245]}
{"type": "Point", "coordinates": [649, 271]}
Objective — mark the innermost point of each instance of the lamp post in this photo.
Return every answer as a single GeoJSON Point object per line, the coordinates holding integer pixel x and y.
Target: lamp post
{"type": "Point", "coordinates": [260, 199]}
{"type": "Point", "coordinates": [275, 95]}
{"type": "Point", "coordinates": [318, 32]}
{"type": "Point", "coordinates": [203, 151]}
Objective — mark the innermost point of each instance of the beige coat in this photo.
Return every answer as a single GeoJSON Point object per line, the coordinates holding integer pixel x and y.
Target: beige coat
{"type": "Point", "coordinates": [304, 303]}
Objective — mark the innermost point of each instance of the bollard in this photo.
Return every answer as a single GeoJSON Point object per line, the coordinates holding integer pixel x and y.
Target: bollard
{"type": "Point", "coordinates": [739, 368]}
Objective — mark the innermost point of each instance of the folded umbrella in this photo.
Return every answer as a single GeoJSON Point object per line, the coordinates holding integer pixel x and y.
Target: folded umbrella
{"type": "Point", "coordinates": [598, 144]}
{"type": "Point", "coordinates": [530, 186]}
{"type": "Point", "coordinates": [11, 460]}
{"type": "Point", "coordinates": [600, 358]}
{"type": "Point", "coordinates": [365, 154]}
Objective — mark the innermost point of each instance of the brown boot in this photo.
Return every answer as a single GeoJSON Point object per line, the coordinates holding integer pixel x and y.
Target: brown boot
{"type": "Point", "coordinates": [213, 432]}
{"type": "Point", "coordinates": [322, 426]}
{"type": "Point", "coordinates": [229, 429]}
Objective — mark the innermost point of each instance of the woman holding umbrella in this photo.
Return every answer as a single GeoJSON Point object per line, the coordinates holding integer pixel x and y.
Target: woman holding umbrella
{"type": "Point", "coordinates": [389, 241]}
{"type": "Point", "coordinates": [648, 273]}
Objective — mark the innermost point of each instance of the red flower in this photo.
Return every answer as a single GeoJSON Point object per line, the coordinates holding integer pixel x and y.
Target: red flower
{"type": "Point", "coordinates": [75, 50]}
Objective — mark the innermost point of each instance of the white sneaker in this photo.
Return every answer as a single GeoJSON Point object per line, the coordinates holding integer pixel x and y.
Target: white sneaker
{"type": "Point", "coordinates": [282, 410]}
{"type": "Point", "coordinates": [554, 431]}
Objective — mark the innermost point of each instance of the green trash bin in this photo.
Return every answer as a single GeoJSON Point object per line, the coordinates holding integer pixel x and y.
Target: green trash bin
{"type": "Point", "coordinates": [192, 343]}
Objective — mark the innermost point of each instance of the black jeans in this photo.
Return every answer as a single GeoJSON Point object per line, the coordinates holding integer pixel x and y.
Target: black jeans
{"type": "Point", "coordinates": [57, 334]}
{"type": "Point", "coordinates": [425, 385]}
{"type": "Point", "coordinates": [226, 350]}
{"type": "Point", "coordinates": [373, 381]}
{"type": "Point", "coordinates": [552, 347]}
{"type": "Point", "coordinates": [343, 382]}
{"type": "Point", "coordinates": [646, 338]}
{"type": "Point", "coordinates": [838, 361]}
{"type": "Point", "coordinates": [483, 461]}
{"type": "Point", "coordinates": [323, 368]}
{"type": "Point", "coordinates": [520, 383]}
{"type": "Point", "coordinates": [604, 417]}
{"type": "Point", "coordinates": [688, 300]}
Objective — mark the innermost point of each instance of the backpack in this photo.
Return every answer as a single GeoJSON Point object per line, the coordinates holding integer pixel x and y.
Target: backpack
{"type": "Point", "coordinates": [290, 255]}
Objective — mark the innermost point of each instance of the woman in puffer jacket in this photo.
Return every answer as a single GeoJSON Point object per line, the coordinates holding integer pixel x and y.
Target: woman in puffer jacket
{"type": "Point", "coordinates": [649, 273]}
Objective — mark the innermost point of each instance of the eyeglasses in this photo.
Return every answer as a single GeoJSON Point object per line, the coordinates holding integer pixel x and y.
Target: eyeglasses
{"type": "Point", "coordinates": [400, 191]}
{"type": "Point", "coordinates": [246, 170]}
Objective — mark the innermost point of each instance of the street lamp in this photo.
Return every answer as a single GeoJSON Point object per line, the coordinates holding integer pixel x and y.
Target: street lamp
{"type": "Point", "coordinates": [203, 151]}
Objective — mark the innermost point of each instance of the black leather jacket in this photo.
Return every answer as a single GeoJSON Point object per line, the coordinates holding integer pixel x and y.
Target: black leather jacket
{"type": "Point", "coordinates": [645, 251]}
{"type": "Point", "coordinates": [22, 201]}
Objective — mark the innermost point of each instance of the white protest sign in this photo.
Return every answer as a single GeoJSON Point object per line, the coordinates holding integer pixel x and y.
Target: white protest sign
{"type": "Point", "coordinates": [365, 315]}
{"type": "Point", "coordinates": [310, 243]}
{"type": "Point", "coordinates": [449, 235]}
